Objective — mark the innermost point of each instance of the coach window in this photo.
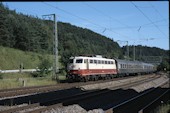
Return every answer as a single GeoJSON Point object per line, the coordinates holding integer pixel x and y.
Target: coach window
{"type": "Point", "coordinates": [105, 62]}
{"type": "Point", "coordinates": [79, 60]}
{"type": "Point", "coordinates": [111, 62]}
{"type": "Point", "coordinates": [95, 61]}
{"type": "Point", "coordinates": [108, 62]}
{"type": "Point", "coordinates": [99, 62]}
{"type": "Point", "coordinates": [91, 61]}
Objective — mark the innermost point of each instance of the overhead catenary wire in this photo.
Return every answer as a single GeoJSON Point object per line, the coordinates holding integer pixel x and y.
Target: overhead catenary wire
{"type": "Point", "coordinates": [106, 14]}
{"type": "Point", "coordinates": [157, 11]}
{"type": "Point", "coordinates": [87, 20]}
{"type": "Point", "coordinates": [129, 27]}
{"type": "Point", "coordinates": [126, 26]}
{"type": "Point", "coordinates": [79, 18]}
{"type": "Point", "coordinates": [147, 18]}
{"type": "Point", "coordinates": [144, 6]}
{"type": "Point", "coordinates": [144, 25]}
{"type": "Point", "coordinates": [72, 14]}
{"type": "Point", "coordinates": [104, 29]}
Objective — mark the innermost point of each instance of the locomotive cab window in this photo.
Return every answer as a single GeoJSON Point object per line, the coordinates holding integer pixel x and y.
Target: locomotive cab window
{"type": "Point", "coordinates": [79, 60]}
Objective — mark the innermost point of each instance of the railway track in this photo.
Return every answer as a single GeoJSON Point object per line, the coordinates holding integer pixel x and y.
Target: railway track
{"type": "Point", "coordinates": [80, 98]}
{"type": "Point", "coordinates": [140, 102]}
{"type": "Point", "coordinates": [84, 98]}
{"type": "Point", "coordinates": [16, 92]}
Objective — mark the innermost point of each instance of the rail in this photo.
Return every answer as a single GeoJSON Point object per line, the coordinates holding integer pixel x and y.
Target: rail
{"type": "Point", "coordinates": [136, 97]}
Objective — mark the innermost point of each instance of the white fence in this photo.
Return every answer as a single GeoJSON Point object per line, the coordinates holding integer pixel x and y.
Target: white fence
{"type": "Point", "coordinates": [18, 70]}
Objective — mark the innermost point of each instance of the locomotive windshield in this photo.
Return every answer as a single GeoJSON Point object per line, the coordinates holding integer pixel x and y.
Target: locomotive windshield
{"type": "Point", "coordinates": [79, 60]}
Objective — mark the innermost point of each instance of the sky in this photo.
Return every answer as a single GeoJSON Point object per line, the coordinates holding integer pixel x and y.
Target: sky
{"type": "Point", "coordinates": [143, 23]}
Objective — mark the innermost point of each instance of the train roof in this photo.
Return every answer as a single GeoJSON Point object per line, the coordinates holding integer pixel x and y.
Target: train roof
{"type": "Point", "coordinates": [147, 64]}
{"type": "Point", "coordinates": [94, 57]}
{"type": "Point", "coordinates": [128, 61]}
{"type": "Point", "coordinates": [118, 60]}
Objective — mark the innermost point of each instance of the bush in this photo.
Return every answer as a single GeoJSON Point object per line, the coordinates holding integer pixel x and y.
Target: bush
{"type": "Point", "coordinates": [44, 67]}
{"type": "Point", "coordinates": [164, 66]}
{"type": "Point", "coordinates": [1, 76]}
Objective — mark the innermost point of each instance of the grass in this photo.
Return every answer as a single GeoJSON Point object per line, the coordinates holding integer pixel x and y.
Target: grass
{"type": "Point", "coordinates": [15, 80]}
{"type": "Point", "coordinates": [9, 83]}
{"type": "Point", "coordinates": [12, 58]}
{"type": "Point", "coordinates": [39, 81]}
{"type": "Point", "coordinates": [16, 83]}
{"type": "Point", "coordinates": [15, 75]}
{"type": "Point", "coordinates": [62, 77]}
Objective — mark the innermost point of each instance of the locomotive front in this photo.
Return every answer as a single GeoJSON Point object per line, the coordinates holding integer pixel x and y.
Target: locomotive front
{"type": "Point", "coordinates": [75, 68]}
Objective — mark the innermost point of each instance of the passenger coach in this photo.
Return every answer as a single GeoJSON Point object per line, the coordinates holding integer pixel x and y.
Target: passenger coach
{"type": "Point", "coordinates": [125, 67]}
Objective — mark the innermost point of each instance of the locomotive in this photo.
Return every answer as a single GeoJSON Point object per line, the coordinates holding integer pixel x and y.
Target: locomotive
{"type": "Point", "coordinates": [85, 68]}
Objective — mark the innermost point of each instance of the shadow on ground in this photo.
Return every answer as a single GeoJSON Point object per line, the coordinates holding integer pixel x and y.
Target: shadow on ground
{"type": "Point", "coordinates": [103, 101]}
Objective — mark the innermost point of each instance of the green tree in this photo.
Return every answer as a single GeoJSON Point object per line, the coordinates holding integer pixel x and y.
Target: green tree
{"type": "Point", "coordinates": [44, 67]}
{"type": "Point", "coordinates": [164, 65]}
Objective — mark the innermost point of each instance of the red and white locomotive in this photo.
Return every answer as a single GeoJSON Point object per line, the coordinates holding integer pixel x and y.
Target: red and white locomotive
{"type": "Point", "coordinates": [91, 68]}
